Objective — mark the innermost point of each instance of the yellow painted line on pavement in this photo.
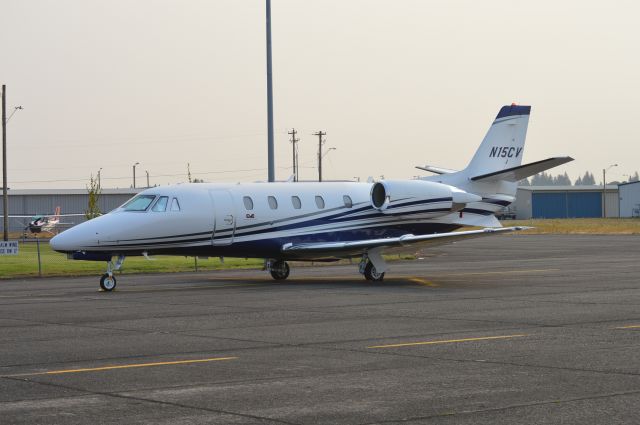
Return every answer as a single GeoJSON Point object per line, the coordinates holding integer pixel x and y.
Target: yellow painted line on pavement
{"type": "Point", "coordinates": [628, 327]}
{"type": "Point", "coordinates": [423, 282]}
{"type": "Point", "coordinates": [126, 366]}
{"type": "Point", "coordinates": [448, 341]}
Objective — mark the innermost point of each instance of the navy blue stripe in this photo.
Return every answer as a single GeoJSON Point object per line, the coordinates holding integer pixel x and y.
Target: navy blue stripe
{"type": "Point", "coordinates": [507, 111]}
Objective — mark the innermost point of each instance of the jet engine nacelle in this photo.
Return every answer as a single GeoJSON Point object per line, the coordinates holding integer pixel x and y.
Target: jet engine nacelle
{"type": "Point", "coordinates": [414, 196]}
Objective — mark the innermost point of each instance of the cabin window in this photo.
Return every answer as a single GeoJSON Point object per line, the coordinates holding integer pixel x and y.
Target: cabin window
{"type": "Point", "coordinates": [347, 201]}
{"type": "Point", "coordinates": [273, 202]}
{"type": "Point", "coordinates": [175, 205]}
{"type": "Point", "coordinates": [139, 203]}
{"type": "Point", "coordinates": [248, 202]}
{"type": "Point", "coordinates": [296, 202]}
{"type": "Point", "coordinates": [320, 202]}
{"type": "Point", "coordinates": [161, 204]}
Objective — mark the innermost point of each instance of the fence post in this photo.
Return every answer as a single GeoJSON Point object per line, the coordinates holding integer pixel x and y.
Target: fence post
{"type": "Point", "coordinates": [196, 262]}
{"type": "Point", "coordinates": [39, 262]}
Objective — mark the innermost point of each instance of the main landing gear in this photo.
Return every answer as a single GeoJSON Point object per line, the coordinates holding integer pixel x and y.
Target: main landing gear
{"type": "Point", "coordinates": [279, 269]}
{"type": "Point", "coordinates": [108, 280]}
{"type": "Point", "coordinates": [373, 266]}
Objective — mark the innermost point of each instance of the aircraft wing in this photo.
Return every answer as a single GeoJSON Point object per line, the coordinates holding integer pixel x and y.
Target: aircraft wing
{"type": "Point", "coordinates": [520, 172]}
{"type": "Point", "coordinates": [346, 249]}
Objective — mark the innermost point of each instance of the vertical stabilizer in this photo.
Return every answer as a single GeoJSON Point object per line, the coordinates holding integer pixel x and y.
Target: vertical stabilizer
{"type": "Point", "coordinates": [503, 146]}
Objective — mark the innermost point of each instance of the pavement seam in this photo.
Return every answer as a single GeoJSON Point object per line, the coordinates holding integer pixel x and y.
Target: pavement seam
{"type": "Point", "coordinates": [498, 409]}
{"type": "Point", "coordinates": [168, 403]}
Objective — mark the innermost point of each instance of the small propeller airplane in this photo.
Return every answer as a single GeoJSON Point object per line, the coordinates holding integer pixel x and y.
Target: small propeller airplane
{"type": "Point", "coordinates": [323, 221]}
{"type": "Point", "coordinates": [39, 223]}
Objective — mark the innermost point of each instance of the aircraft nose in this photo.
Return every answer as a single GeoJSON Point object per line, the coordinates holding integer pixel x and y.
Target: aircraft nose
{"type": "Point", "coordinates": [62, 242]}
{"type": "Point", "coordinates": [76, 238]}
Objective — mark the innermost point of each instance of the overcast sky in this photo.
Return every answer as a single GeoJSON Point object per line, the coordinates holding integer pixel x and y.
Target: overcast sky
{"type": "Point", "coordinates": [393, 83]}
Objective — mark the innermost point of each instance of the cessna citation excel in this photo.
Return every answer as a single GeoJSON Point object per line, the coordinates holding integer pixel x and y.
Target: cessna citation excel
{"type": "Point", "coordinates": [288, 221]}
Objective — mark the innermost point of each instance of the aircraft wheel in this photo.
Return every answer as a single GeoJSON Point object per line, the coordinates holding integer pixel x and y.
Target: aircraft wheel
{"type": "Point", "coordinates": [108, 283]}
{"type": "Point", "coordinates": [370, 273]}
{"type": "Point", "coordinates": [280, 270]}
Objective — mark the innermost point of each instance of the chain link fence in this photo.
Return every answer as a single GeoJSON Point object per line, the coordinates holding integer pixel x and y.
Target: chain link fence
{"type": "Point", "coordinates": [36, 258]}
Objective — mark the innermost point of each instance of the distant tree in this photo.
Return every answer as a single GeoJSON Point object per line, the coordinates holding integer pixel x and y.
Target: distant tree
{"type": "Point", "coordinates": [197, 180]}
{"type": "Point", "coordinates": [588, 179]}
{"type": "Point", "coordinates": [94, 192]}
{"type": "Point", "coordinates": [562, 180]}
{"type": "Point", "coordinates": [542, 179]}
{"type": "Point", "coordinates": [634, 178]}
{"type": "Point", "coordinates": [189, 172]}
{"type": "Point", "coordinates": [524, 182]}
{"type": "Point", "coordinates": [578, 181]}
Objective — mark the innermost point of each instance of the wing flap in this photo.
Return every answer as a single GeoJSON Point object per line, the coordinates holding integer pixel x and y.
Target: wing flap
{"type": "Point", "coordinates": [346, 249]}
{"type": "Point", "coordinates": [520, 172]}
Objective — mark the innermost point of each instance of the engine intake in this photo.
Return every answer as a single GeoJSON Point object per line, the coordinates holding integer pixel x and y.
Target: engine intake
{"type": "Point", "coordinates": [398, 196]}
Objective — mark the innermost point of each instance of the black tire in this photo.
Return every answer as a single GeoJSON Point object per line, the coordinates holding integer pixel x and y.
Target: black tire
{"type": "Point", "coordinates": [280, 270]}
{"type": "Point", "coordinates": [371, 274]}
{"type": "Point", "coordinates": [107, 283]}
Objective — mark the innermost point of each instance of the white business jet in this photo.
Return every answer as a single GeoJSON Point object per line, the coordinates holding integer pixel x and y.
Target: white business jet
{"type": "Point", "coordinates": [288, 221]}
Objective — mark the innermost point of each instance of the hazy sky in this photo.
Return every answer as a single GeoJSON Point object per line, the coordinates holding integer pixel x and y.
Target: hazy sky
{"type": "Point", "coordinates": [394, 84]}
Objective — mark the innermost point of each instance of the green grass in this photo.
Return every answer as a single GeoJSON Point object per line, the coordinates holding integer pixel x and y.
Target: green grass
{"type": "Point", "coordinates": [56, 264]}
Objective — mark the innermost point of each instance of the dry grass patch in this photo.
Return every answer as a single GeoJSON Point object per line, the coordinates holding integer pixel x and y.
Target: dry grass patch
{"type": "Point", "coordinates": [577, 226]}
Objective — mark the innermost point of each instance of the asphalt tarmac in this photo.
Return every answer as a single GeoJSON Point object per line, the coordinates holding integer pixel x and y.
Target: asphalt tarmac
{"type": "Point", "coordinates": [505, 330]}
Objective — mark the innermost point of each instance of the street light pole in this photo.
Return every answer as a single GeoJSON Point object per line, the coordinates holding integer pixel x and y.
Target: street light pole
{"type": "Point", "coordinates": [270, 148]}
{"type": "Point", "coordinates": [5, 196]}
{"type": "Point", "coordinates": [604, 189]}
{"type": "Point", "coordinates": [99, 185]}
{"type": "Point", "coordinates": [134, 174]}
{"type": "Point", "coordinates": [147, 178]}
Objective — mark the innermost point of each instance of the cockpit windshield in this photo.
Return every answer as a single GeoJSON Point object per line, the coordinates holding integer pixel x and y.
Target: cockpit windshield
{"type": "Point", "coordinates": [139, 203]}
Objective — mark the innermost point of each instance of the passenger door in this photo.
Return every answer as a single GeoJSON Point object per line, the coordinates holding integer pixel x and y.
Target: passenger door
{"type": "Point", "coordinates": [224, 211]}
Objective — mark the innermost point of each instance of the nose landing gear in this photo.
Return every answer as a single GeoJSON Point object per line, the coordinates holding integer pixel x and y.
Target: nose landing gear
{"type": "Point", "coordinates": [108, 280]}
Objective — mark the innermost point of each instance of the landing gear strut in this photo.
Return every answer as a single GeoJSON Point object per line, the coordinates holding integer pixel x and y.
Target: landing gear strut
{"type": "Point", "coordinates": [279, 269]}
{"type": "Point", "coordinates": [108, 280]}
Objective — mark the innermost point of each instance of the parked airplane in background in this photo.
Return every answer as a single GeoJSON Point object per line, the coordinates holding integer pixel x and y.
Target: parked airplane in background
{"type": "Point", "coordinates": [45, 223]}
{"type": "Point", "coordinates": [316, 221]}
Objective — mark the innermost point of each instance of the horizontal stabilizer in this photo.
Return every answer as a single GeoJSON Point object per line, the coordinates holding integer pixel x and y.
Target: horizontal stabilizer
{"type": "Point", "coordinates": [436, 170]}
{"type": "Point", "coordinates": [520, 172]}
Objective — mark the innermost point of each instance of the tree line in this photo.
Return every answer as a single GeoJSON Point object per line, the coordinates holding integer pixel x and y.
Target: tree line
{"type": "Point", "coordinates": [544, 179]}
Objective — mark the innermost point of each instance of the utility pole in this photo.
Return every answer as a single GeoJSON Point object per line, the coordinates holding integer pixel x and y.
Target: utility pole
{"type": "Point", "coordinates": [134, 174]}
{"type": "Point", "coordinates": [270, 148]}
{"type": "Point", "coordinates": [294, 142]}
{"type": "Point", "coordinates": [604, 189]}
{"type": "Point", "coordinates": [320, 143]}
{"type": "Point", "coordinates": [5, 196]}
{"type": "Point", "coordinates": [147, 177]}
{"type": "Point", "coordinates": [99, 184]}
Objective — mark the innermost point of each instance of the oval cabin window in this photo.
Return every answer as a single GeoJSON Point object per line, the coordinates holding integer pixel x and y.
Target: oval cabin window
{"type": "Point", "coordinates": [297, 204]}
{"type": "Point", "coordinates": [347, 201]}
{"type": "Point", "coordinates": [320, 202]}
{"type": "Point", "coordinates": [248, 203]}
{"type": "Point", "coordinates": [273, 202]}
